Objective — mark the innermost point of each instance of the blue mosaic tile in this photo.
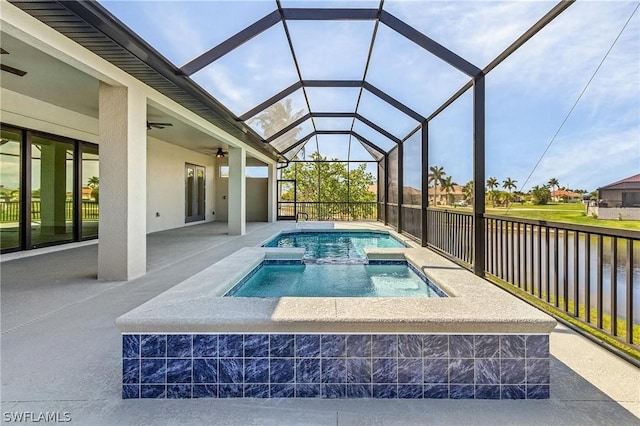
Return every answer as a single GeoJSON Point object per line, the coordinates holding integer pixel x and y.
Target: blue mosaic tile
{"type": "Point", "coordinates": [461, 371]}
{"type": "Point", "coordinates": [487, 346]}
{"type": "Point", "coordinates": [130, 346]}
{"type": "Point", "coordinates": [359, 370]}
{"type": "Point", "coordinates": [230, 345]}
{"type": "Point", "coordinates": [205, 391]}
{"type": "Point", "coordinates": [130, 371]}
{"type": "Point", "coordinates": [256, 370]}
{"type": "Point", "coordinates": [359, 346]}
{"type": "Point", "coordinates": [282, 391]}
{"type": "Point", "coordinates": [387, 262]}
{"type": "Point", "coordinates": [385, 370]}
{"type": "Point", "coordinates": [153, 346]}
{"type": "Point", "coordinates": [487, 392]}
{"type": "Point", "coordinates": [512, 392]}
{"type": "Point", "coordinates": [308, 370]}
{"type": "Point", "coordinates": [461, 392]}
{"type": "Point", "coordinates": [385, 391]}
{"type": "Point", "coordinates": [153, 391]}
{"type": "Point", "coordinates": [461, 346]}
{"type": "Point", "coordinates": [410, 371]}
{"type": "Point", "coordinates": [307, 345]}
{"type": "Point", "coordinates": [256, 390]}
{"type": "Point", "coordinates": [487, 371]}
{"type": "Point", "coordinates": [282, 370]}
{"type": "Point", "coordinates": [409, 346]}
{"type": "Point", "coordinates": [512, 371]}
{"type": "Point", "coordinates": [334, 371]}
{"type": "Point", "coordinates": [333, 345]}
{"type": "Point", "coordinates": [537, 371]}
{"type": "Point", "coordinates": [130, 391]}
{"type": "Point", "coordinates": [537, 346]}
{"type": "Point", "coordinates": [230, 390]}
{"type": "Point", "coordinates": [307, 391]}
{"type": "Point", "coordinates": [230, 370]}
{"type": "Point", "coordinates": [256, 346]}
{"type": "Point", "coordinates": [436, 370]}
{"type": "Point", "coordinates": [205, 370]}
{"type": "Point", "coordinates": [153, 371]}
{"type": "Point", "coordinates": [179, 345]}
{"type": "Point", "coordinates": [179, 370]}
{"type": "Point", "coordinates": [512, 346]}
{"type": "Point", "coordinates": [205, 345]}
{"type": "Point", "coordinates": [435, 346]}
{"type": "Point", "coordinates": [334, 391]}
{"type": "Point", "coordinates": [384, 346]}
{"type": "Point", "coordinates": [410, 391]}
{"type": "Point", "coordinates": [179, 391]}
{"type": "Point", "coordinates": [282, 345]}
{"type": "Point", "coordinates": [436, 391]}
{"type": "Point", "coordinates": [359, 391]}
{"type": "Point", "coordinates": [537, 391]}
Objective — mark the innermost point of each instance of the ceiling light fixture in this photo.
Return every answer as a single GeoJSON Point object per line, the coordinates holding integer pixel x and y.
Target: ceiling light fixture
{"type": "Point", "coordinates": [220, 153]}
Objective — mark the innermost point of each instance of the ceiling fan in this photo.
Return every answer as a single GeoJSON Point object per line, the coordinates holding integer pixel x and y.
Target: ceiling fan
{"type": "Point", "coordinates": [9, 69]}
{"type": "Point", "coordinates": [156, 125]}
{"type": "Point", "coordinates": [220, 153]}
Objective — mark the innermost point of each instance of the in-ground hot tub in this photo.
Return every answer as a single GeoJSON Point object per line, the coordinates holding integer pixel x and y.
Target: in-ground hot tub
{"type": "Point", "coordinates": [190, 342]}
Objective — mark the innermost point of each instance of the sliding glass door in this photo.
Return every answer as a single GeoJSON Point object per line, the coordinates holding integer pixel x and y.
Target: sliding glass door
{"type": "Point", "coordinates": [194, 193]}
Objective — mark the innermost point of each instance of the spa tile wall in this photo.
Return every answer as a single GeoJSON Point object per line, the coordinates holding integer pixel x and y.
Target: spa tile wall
{"type": "Point", "coordinates": [335, 366]}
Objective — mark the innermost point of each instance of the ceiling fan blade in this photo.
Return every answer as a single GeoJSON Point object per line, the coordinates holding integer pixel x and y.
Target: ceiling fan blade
{"type": "Point", "coordinates": [13, 70]}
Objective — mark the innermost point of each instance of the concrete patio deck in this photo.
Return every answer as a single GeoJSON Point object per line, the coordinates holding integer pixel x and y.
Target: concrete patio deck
{"type": "Point", "coordinates": [61, 352]}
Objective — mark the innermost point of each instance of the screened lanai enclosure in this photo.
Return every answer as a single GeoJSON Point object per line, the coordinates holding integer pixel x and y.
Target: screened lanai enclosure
{"type": "Point", "coordinates": [360, 101]}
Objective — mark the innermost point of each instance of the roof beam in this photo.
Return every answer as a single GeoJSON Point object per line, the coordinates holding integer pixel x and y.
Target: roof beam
{"type": "Point", "coordinates": [368, 143]}
{"type": "Point", "coordinates": [377, 128]}
{"type": "Point", "coordinates": [332, 83]}
{"type": "Point", "coordinates": [231, 43]}
{"type": "Point", "coordinates": [272, 100]}
{"type": "Point", "coordinates": [321, 14]}
{"type": "Point", "coordinates": [299, 142]}
{"type": "Point", "coordinates": [290, 127]}
{"type": "Point", "coordinates": [430, 45]}
{"type": "Point", "coordinates": [397, 104]}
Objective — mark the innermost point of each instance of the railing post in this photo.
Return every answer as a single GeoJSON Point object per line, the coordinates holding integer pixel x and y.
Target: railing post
{"type": "Point", "coordinates": [478, 174]}
{"type": "Point", "coordinates": [425, 182]}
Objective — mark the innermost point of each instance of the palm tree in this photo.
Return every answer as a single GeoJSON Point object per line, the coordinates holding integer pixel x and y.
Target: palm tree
{"type": "Point", "coordinates": [277, 117]}
{"type": "Point", "coordinates": [467, 191]}
{"type": "Point", "coordinates": [553, 183]}
{"type": "Point", "coordinates": [447, 186]}
{"type": "Point", "coordinates": [94, 183]}
{"type": "Point", "coordinates": [492, 183]}
{"type": "Point", "coordinates": [509, 184]}
{"type": "Point", "coordinates": [436, 176]}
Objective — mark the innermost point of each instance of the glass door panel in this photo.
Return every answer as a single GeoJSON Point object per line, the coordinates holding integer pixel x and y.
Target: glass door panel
{"type": "Point", "coordinates": [194, 193]}
{"type": "Point", "coordinates": [52, 194]}
{"type": "Point", "coordinates": [10, 159]}
{"type": "Point", "coordinates": [90, 203]}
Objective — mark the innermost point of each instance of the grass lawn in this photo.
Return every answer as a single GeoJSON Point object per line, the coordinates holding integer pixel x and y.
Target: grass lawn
{"type": "Point", "coordinates": [561, 212]}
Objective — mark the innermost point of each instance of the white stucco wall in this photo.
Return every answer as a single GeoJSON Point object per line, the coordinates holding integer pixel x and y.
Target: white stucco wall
{"type": "Point", "coordinates": [618, 213]}
{"type": "Point", "coordinates": [257, 195]}
{"type": "Point", "coordinates": [166, 184]}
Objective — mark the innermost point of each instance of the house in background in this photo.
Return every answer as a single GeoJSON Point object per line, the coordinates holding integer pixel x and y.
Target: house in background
{"type": "Point", "coordinates": [565, 196]}
{"type": "Point", "coordinates": [620, 200]}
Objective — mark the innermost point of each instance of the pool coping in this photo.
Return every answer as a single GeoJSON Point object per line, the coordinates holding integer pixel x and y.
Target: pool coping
{"type": "Point", "coordinates": [196, 305]}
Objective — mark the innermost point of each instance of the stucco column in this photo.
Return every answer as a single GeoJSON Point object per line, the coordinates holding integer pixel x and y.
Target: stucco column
{"type": "Point", "coordinates": [122, 249]}
{"type": "Point", "coordinates": [237, 214]}
{"type": "Point", "coordinates": [272, 212]}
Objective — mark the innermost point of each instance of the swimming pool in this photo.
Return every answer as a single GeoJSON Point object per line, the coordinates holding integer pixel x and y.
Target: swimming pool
{"type": "Point", "coordinates": [388, 279]}
{"type": "Point", "coordinates": [335, 244]}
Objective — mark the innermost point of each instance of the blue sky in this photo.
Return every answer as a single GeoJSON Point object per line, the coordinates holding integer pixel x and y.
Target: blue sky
{"type": "Point", "coordinates": [528, 95]}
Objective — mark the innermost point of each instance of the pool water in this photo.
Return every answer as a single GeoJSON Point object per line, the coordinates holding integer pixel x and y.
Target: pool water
{"type": "Point", "coordinates": [335, 245]}
{"type": "Point", "coordinates": [312, 280]}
